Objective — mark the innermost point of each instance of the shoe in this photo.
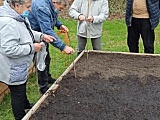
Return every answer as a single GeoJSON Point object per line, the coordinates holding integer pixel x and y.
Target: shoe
{"type": "Point", "coordinates": [51, 80]}
{"type": "Point", "coordinates": [43, 90]}
{"type": "Point", "coordinates": [29, 106]}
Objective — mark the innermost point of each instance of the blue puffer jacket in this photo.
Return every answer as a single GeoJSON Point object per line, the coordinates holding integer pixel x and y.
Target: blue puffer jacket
{"type": "Point", "coordinates": [153, 7]}
{"type": "Point", "coordinates": [43, 18]}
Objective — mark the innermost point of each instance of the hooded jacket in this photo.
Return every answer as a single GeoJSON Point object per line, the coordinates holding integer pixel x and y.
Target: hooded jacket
{"type": "Point", "coordinates": [98, 9]}
{"type": "Point", "coordinates": [153, 7]}
{"type": "Point", "coordinates": [43, 18]}
{"type": "Point", "coordinates": [16, 46]}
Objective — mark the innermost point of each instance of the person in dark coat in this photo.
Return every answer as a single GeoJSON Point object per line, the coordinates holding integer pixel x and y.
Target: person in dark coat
{"type": "Point", "coordinates": [142, 17]}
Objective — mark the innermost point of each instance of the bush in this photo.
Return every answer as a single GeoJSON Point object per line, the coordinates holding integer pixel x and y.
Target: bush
{"type": "Point", "coordinates": [116, 9]}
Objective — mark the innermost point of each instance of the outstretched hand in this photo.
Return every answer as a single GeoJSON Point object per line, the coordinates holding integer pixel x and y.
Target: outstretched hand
{"type": "Point", "coordinates": [48, 38]}
{"type": "Point", "coordinates": [64, 29]}
{"type": "Point", "coordinates": [68, 50]}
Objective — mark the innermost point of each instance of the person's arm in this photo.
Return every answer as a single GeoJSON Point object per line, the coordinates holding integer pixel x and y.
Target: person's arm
{"type": "Point", "coordinates": [39, 36]}
{"type": "Point", "coordinates": [43, 19]}
{"type": "Point", "coordinates": [74, 10]}
{"type": "Point", "coordinates": [103, 14]}
{"type": "Point", "coordinates": [10, 44]}
{"type": "Point", "coordinates": [58, 24]}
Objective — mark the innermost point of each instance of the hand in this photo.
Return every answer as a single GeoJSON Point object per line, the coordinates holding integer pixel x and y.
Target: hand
{"type": "Point", "coordinates": [38, 46]}
{"type": "Point", "coordinates": [90, 19]}
{"type": "Point", "coordinates": [64, 28]}
{"type": "Point", "coordinates": [81, 17]}
{"type": "Point", "coordinates": [68, 50]}
{"type": "Point", "coordinates": [48, 38]}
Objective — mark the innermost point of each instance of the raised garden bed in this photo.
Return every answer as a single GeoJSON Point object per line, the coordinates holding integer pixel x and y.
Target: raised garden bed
{"type": "Point", "coordinates": [104, 86]}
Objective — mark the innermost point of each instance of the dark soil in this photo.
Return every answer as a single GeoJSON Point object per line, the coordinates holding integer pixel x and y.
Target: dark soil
{"type": "Point", "coordinates": [109, 86]}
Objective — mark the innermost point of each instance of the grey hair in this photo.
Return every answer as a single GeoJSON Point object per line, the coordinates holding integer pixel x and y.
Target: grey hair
{"type": "Point", "coordinates": [64, 2]}
{"type": "Point", "coordinates": [13, 2]}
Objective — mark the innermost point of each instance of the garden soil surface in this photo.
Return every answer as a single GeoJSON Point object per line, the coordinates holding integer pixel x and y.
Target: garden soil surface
{"type": "Point", "coordinates": [109, 86]}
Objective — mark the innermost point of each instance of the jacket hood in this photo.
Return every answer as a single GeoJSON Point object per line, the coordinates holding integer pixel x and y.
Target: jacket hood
{"type": "Point", "coordinates": [49, 2]}
{"type": "Point", "coordinates": [7, 11]}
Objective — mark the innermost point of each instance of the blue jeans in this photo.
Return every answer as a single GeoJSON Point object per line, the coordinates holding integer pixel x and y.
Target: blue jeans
{"type": "Point", "coordinates": [140, 27]}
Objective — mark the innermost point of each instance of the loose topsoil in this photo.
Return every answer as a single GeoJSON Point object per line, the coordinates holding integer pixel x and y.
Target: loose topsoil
{"type": "Point", "coordinates": [109, 86]}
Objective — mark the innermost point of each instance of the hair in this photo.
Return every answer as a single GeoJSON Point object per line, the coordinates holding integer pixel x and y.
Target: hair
{"type": "Point", "coordinates": [21, 2]}
{"type": "Point", "coordinates": [64, 2]}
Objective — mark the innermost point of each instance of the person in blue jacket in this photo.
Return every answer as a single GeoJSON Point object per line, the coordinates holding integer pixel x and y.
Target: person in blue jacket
{"type": "Point", "coordinates": [142, 17]}
{"type": "Point", "coordinates": [43, 17]}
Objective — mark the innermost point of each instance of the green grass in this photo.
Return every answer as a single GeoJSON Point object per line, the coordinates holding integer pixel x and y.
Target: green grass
{"type": "Point", "coordinates": [113, 39]}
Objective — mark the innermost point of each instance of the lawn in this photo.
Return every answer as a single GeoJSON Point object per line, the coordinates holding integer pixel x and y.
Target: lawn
{"type": "Point", "coordinates": [113, 39]}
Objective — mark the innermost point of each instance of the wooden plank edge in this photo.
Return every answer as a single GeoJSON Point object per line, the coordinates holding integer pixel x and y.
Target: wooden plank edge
{"type": "Point", "coordinates": [55, 85]}
{"type": "Point", "coordinates": [39, 102]}
{"type": "Point", "coordinates": [69, 68]}
{"type": "Point", "coordinates": [127, 53]}
{"type": "Point", "coordinates": [51, 89]}
{"type": "Point", "coordinates": [3, 94]}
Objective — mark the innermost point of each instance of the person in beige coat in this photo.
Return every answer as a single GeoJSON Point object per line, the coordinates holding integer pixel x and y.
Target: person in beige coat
{"type": "Point", "coordinates": [142, 17]}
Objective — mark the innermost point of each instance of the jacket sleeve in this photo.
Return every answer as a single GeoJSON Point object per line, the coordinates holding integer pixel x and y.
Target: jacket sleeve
{"type": "Point", "coordinates": [58, 24]}
{"type": "Point", "coordinates": [36, 34]}
{"type": "Point", "coordinates": [44, 21]}
{"type": "Point", "coordinates": [103, 14]}
{"type": "Point", "coordinates": [10, 43]}
{"type": "Point", "coordinates": [74, 10]}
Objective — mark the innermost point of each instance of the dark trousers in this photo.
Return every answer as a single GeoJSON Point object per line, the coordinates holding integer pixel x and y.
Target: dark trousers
{"type": "Point", "coordinates": [140, 27]}
{"type": "Point", "coordinates": [82, 41]}
{"type": "Point", "coordinates": [18, 100]}
{"type": "Point", "coordinates": [44, 75]}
